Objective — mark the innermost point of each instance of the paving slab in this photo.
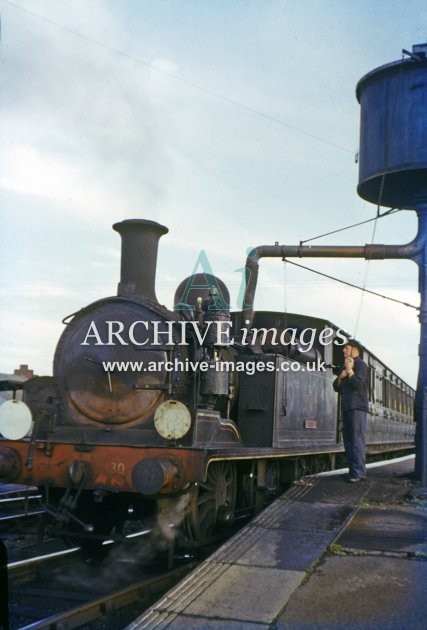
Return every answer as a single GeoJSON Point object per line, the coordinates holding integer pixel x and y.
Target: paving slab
{"type": "Point", "coordinates": [389, 492]}
{"type": "Point", "coordinates": [314, 517]}
{"type": "Point", "coordinates": [395, 528]}
{"type": "Point", "coordinates": [285, 549]}
{"type": "Point", "coordinates": [360, 593]}
{"type": "Point", "coordinates": [337, 490]}
{"type": "Point", "coordinates": [253, 594]}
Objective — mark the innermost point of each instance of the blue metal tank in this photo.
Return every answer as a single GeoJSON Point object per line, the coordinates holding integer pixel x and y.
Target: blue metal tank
{"type": "Point", "coordinates": [393, 132]}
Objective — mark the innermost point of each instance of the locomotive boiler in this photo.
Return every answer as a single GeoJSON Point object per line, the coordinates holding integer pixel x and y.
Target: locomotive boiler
{"type": "Point", "coordinates": [148, 406]}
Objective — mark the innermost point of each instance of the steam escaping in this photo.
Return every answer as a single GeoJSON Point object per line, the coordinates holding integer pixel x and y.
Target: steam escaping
{"type": "Point", "coordinates": [169, 517]}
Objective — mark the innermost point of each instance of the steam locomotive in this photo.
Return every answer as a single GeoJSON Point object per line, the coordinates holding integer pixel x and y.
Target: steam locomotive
{"type": "Point", "coordinates": [149, 407]}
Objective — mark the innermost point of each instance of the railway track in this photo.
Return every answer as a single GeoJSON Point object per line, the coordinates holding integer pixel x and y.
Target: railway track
{"type": "Point", "coordinates": [18, 501]}
{"type": "Point", "coordinates": [21, 515]}
{"type": "Point", "coordinates": [18, 504]}
{"type": "Point", "coordinates": [52, 585]}
{"type": "Point", "coordinates": [66, 590]}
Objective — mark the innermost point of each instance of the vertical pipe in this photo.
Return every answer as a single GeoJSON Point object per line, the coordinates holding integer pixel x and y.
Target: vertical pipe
{"type": "Point", "coordinates": [421, 393]}
{"type": "Point", "coordinates": [421, 444]}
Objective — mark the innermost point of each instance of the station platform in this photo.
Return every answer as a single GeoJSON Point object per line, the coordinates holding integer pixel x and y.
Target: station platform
{"type": "Point", "coordinates": [327, 554]}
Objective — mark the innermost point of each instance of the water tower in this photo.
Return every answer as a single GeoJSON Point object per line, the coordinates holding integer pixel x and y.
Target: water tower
{"type": "Point", "coordinates": [393, 172]}
{"type": "Point", "coordinates": [393, 132]}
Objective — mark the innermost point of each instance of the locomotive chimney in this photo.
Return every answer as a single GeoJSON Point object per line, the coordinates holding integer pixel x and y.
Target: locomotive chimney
{"type": "Point", "coordinates": [140, 239]}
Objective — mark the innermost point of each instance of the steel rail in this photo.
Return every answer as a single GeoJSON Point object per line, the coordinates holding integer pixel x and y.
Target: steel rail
{"type": "Point", "coordinates": [107, 604]}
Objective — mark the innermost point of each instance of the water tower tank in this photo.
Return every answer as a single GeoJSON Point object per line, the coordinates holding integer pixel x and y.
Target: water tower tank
{"type": "Point", "coordinates": [393, 132]}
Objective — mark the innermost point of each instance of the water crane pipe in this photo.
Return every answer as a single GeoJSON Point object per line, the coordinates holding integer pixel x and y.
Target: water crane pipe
{"type": "Point", "coordinates": [416, 250]}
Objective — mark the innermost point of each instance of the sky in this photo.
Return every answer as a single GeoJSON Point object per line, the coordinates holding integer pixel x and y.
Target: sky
{"type": "Point", "coordinates": [233, 123]}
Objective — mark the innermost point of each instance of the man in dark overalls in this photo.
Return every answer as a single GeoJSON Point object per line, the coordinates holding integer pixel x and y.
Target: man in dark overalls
{"type": "Point", "coordinates": [353, 385]}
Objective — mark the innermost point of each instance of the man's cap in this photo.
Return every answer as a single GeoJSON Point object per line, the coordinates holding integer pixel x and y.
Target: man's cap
{"type": "Point", "coordinates": [354, 344]}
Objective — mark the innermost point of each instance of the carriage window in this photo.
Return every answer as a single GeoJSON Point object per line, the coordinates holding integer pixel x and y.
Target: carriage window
{"type": "Point", "coordinates": [394, 397]}
{"type": "Point", "coordinates": [372, 378]}
{"type": "Point", "coordinates": [386, 392]}
{"type": "Point", "coordinates": [378, 388]}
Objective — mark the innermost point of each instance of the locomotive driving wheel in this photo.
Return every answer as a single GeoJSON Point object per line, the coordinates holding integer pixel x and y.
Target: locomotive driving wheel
{"type": "Point", "coordinates": [211, 503]}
